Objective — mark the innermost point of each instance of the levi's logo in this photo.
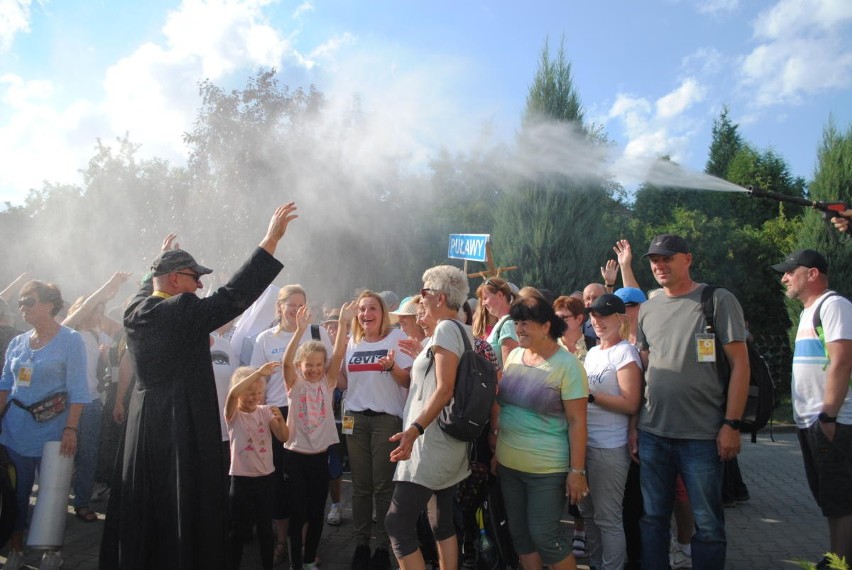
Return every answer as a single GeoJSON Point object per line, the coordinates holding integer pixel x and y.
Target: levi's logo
{"type": "Point", "coordinates": [366, 360]}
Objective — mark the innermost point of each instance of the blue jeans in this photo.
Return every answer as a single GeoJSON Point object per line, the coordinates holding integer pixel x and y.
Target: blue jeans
{"type": "Point", "coordinates": [25, 470]}
{"type": "Point", "coordinates": [698, 462]}
{"type": "Point", "coordinates": [86, 458]}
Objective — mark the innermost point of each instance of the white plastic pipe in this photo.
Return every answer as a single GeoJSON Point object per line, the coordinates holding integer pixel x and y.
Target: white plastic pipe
{"type": "Point", "coordinates": [47, 529]}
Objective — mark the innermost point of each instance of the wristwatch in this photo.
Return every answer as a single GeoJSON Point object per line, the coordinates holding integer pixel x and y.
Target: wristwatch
{"type": "Point", "coordinates": [591, 398]}
{"type": "Point", "coordinates": [735, 424]}
{"type": "Point", "coordinates": [826, 419]}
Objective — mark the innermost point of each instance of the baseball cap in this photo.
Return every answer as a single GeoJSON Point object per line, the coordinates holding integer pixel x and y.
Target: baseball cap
{"type": "Point", "coordinates": [631, 295]}
{"type": "Point", "coordinates": [667, 244]}
{"type": "Point", "coordinates": [173, 260]}
{"type": "Point", "coordinates": [606, 305]}
{"type": "Point", "coordinates": [407, 307]}
{"type": "Point", "coordinates": [802, 258]}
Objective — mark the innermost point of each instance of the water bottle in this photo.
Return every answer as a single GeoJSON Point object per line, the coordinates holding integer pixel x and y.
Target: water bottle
{"type": "Point", "coordinates": [486, 548]}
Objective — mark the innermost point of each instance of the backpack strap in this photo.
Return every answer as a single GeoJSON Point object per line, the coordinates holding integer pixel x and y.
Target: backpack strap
{"type": "Point", "coordinates": [708, 308]}
{"type": "Point", "coordinates": [466, 342]}
{"type": "Point", "coordinates": [817, 323]}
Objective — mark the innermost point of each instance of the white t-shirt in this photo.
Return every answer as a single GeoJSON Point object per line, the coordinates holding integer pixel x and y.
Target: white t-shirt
{"type": "Point", "coordinates": [93, 355]}
{"type": "Point", "coordinates": [224, 364]}
{"type": "Point", "coordinates": [809, 362]}
{"type": "Point", "coordinates": [607, 430]}
{"type": "Point", "coordinates": [310, 419]}
{"type": "Point", "coordinates": [270, 345]}
{"type": "Point", "coordinates": [370, 388]}
{"type": "Point", "coordinates": [437, 460]}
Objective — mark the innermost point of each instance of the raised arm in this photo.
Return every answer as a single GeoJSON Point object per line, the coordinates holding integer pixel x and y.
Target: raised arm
{"type": "Point", "coordinates": [347, 311]}
{"type": "Point", "coordinates": [12, 290]}
{"type": "Point", "coordinates": [288, 362]}
{"type": "Point", "coordinates": [233, 395]}
{"type": "Point", "coordinates": [609, 272]}
{"type": "Point", "coordinates": [278, 226]}
{"type": "Point", "coordinates": [625, 263]}
{"type": "Point", "coordinates": [103, 295]}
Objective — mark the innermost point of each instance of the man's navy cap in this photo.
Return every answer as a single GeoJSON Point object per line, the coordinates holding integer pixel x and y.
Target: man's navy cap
{"type": "Point", "coordinates": [667, 244]}
{"type": "Point", "coordinates": [606, 305]}
{"type": "Point", "coordinates": [802, 258]}
{"type": "Point", "coordinates": [174, 260]}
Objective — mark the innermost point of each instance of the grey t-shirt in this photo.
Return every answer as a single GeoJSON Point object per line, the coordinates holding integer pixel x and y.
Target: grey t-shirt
{"type": "Point", "coordinates": [684, 398]}
{"type": "Point", "coordinates": [437, 460]}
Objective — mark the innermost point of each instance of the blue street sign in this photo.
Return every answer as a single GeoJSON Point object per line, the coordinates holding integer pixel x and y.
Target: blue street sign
{"type": "Point", "coordinates": [468, 246]}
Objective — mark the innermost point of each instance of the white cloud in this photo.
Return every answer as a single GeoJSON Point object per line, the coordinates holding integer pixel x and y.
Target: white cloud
{"type": "Point", "coordinates": [716, 6]}
{"type": "Point", "coordinates": [705, 61]}
{"type": "Point", "coordinates": [679, 100]}
{"type": "Point", "coordinates": [804, 47]}
{"type": "Point", "coordinates": [37, 130]}
{"type": "Point", "coordinates": [150, 93]}
{"type": "Point", "coordinates": [661, 127]}
{"type": "Point", "coordinates": [14, 18]}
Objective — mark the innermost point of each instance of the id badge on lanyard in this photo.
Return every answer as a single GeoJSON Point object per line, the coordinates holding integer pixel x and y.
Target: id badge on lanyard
{"type": "Point", "coordinates": [705, 347]}
{"type": "Point", "coordinates": [347, 424]}
{"type": "Point", "coordinates": [24, 376]}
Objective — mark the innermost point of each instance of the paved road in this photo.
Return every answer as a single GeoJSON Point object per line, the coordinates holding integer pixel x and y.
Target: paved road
{"type": "Point", "coordinates": [778, 525]}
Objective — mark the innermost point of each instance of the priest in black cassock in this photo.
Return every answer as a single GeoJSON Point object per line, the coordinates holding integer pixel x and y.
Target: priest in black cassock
{"type": "Point", "coordinates": [168, 509]}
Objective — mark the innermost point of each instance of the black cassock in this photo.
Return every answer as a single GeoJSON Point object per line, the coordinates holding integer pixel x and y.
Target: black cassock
{"type": "Point", "coordinates": [168, 505]}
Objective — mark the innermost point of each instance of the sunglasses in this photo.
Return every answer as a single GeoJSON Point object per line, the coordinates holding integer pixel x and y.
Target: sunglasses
{"type": "Point", "coordinates": [424, 292]}
{"type": "Point", "coordinates": [193, 275]}
{"type": "Point", "coordinates": [27, 302]}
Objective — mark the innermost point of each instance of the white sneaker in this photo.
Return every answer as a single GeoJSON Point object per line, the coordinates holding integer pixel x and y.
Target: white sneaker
{"type": "Point", "coordinates": [335, 516]}
{"type": "Point", "coordinates": [52, 560]}
{"type": "Point", "coordinates": [678, 558]}
{"type": "Point", "coordinates": [14, 560]}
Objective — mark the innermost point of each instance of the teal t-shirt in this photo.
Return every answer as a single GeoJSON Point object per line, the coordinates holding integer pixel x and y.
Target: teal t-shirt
{"type": "Point", "coordinates": [533, 429]}
{"type": "Point", "coordinates": [503, 329]}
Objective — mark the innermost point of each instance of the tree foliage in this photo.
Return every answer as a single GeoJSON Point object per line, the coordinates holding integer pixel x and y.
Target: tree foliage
{"type": "Point", "coordinates": [832, 182]}
{"type": "Point", "coordinates": [558, 229]}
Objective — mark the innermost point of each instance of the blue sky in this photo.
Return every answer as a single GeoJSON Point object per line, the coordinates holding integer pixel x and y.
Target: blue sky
{"type": "Point", "coordinates": [430, 74]}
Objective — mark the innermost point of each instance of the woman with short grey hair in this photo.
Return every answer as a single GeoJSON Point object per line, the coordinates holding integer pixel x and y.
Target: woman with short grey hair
{"type": "Point", "coordinates": [449, 280]}
{"type": "Point", "coordinates": [429, 462]}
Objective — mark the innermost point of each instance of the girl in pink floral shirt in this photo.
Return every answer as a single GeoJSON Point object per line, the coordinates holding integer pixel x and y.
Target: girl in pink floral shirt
{"type": "Point", "coordinates": [310, 390]}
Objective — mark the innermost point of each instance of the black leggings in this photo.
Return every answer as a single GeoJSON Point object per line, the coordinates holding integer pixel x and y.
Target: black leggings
{"type": "Point", "coordinates": [409, 500]}
{"type": "Point", "coordinates": [308, 475]}
{"type": "Point", "coordinates": [250, 504]}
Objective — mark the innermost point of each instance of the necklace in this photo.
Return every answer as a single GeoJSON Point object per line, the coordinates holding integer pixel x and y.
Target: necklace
{"type": "Point", "coordinates": [39, 341]}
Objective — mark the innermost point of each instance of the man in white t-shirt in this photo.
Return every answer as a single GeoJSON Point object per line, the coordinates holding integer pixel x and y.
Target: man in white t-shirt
{"type": "Point", "coordinates": [822, 400]}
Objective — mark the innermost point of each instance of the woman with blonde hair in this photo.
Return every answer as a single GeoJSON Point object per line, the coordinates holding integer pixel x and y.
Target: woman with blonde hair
{"type": "Point", "coordinates": [614, 371]}
{"type": "Point", "coordinates": [270, 347]}
{"type": "Point", "coordinates": [376, 375]}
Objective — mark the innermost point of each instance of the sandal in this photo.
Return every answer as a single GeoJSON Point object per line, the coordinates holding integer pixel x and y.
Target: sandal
{"type": "Point", "coordinates": [280, 553]}
{"type": "Point", "coordinates": [85, 514]}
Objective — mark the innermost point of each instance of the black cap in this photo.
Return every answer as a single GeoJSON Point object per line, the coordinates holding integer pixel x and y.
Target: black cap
{"type": "Point", "coordinates": [174, 260]}
{"type": "Point", "coordinates": [802, 258]}
{"type": "Point", "coordinates": [606, 305]}
{"type": "Point", "coordinates": [667, 244]}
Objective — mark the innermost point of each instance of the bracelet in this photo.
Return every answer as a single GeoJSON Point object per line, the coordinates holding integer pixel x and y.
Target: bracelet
{"type": "Point", "coordinates": [72, 428]}
{"type": "Point", "coordinates": [610, 285]}
{"type": "Point", "coordinates": [577, 471]}
{"type": "Point", "coordinates": [419, 427]}
{"type": "Point", "coordinates": [392, 366]}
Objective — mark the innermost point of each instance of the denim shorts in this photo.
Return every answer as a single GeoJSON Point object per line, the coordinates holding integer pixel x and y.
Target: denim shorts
{"type": "Point", "coordinates": [828, 466]}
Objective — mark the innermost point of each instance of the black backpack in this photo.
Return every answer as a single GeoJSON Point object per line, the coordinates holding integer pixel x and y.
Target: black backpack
{"type": "Point", "coordinates": [761, 401]}
{"type": "Point", "coordinates": [469, 411]}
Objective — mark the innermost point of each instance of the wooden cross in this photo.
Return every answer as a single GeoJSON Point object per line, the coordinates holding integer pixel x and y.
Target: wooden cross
{"type": "Point", "coordinates": [489, 261]}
